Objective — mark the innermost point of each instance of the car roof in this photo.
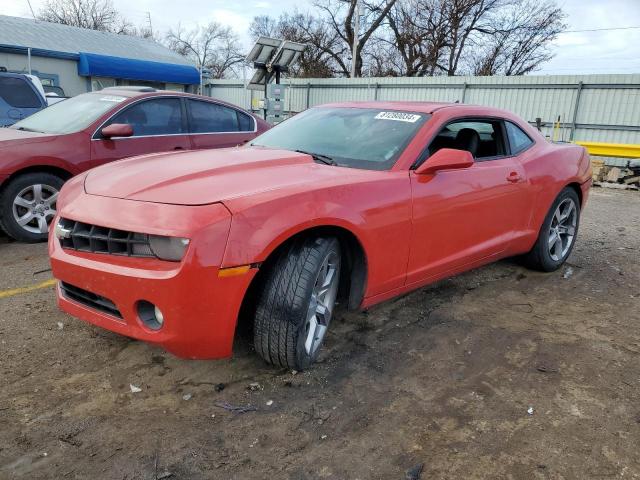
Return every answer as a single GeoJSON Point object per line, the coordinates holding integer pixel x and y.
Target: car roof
{"type": "Point", "coordinates": [13, 75]}
{"type": "Point", "coordinates": [130, 92]}
{"type": "Point", "coordinates": [142, 92]}
{"type": "Point", "coordinates": [134, 92]}
{"type": "Point", "coordinates": [419, 107]}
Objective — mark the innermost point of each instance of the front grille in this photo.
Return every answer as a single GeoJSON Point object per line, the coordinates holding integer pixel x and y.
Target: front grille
{"type": "Point", "coordinates": [90, 299]}
{"type": "Point", "coordinates": [84, 237]}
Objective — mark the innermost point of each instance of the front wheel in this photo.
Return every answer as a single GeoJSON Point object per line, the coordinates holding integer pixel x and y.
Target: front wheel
{"type": "Point", "coordinates": [296, 302]}
{"type": "Point", "coordinates": [557, 234]}
{"type": "Point", "coordinates": [28, 205]}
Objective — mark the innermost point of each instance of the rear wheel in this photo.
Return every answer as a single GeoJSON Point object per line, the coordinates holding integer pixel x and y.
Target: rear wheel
{"type": "Point", "coordinates": [296, 302]}
{"type": "Point", "coordinates": [28, 205]}
{"type": "Point", "coordinates": [557, 234]}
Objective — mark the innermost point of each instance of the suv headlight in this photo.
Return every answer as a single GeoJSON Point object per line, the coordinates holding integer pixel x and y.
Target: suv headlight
{"type": "Point", "coordinates": [168, 248]}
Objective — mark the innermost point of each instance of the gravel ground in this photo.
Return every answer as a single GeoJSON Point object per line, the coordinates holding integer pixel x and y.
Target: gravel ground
{"type": "Point", "coordinates": [497, 373]}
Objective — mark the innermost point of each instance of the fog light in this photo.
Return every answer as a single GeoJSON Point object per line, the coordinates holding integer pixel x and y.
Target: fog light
{"type": "Point", "coordinates": [158, 314]}
{"type": "Point", "coordinates": [150, 315]}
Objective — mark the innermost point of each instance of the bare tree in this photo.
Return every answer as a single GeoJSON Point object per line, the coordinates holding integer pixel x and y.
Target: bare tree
{"type": "Point", "coordinates": [464, 19]}
{"type": "Point", "coordinates": [339, 16]}
{"type": "Point", "coordinates": [145, 31]}
{"type": "Point", "coordinates": [419, 34]}
{"type": "Point", "coordinates": [422, 37]}
{"type": "Point", "coordinates": [215, 48]}
{"type": "Point", "coordinates": [519, 39]}
{"type": "Point", "coordinates": [452, 37]}
{"type": "Point", "coordinates": [329, 35]}
{"type": "Point", "coordinates": [92, 14]}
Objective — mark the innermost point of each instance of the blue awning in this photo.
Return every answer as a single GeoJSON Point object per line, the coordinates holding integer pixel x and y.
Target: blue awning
{"type": "Point", "coordinates": [94, 65]}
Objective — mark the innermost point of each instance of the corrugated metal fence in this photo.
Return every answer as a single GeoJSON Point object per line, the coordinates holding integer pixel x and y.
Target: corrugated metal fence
{"type": "Point", "coordinates": [601, 108]}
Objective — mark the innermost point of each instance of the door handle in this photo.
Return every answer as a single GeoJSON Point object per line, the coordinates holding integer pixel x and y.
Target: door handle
{"type": "Point", "coordinates": [514, 177]}
{"type": "Point", "coordinates": [178, 148]}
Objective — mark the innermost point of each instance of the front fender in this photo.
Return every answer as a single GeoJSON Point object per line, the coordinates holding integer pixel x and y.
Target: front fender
{"type": "Point", "coordinates": [377, 212]}
{"type": "Point", "coordinates": [256, 233]}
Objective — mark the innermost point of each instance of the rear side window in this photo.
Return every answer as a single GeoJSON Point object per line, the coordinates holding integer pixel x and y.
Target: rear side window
{"type": "Point", "coordinates": [208, 117]}
{"type": "Point", "coordinates": [18, 93]}
{"type": "Point", "coordinates": [245, 122]}
{"type": "Point", "coordinates": [159, 116]}
{"type": "Point", "coordinates": [518, 140]}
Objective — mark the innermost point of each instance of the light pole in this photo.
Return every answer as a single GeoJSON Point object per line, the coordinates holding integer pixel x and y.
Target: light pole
{"type": "Point", "coordinates": [356, 39]}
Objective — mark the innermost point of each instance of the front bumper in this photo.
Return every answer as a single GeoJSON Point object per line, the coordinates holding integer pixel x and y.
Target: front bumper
{"type": "Point", "coordinates": [200, 308]}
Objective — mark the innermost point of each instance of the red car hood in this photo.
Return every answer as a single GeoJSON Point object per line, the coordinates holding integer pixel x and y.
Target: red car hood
{"type": "Point", "coordinates": [201, 177]}
{"type": "Point", "coordinates": [10, 137]}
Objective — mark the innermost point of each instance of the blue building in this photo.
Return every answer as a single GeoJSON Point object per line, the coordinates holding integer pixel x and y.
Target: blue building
{"type": "Point", "coordinates": [80, 60]}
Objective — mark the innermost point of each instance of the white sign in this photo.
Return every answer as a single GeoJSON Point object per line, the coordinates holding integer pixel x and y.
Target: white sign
{"type": "Point", "coordinates": [113, 98]}
{"type": "Point", "coordinates": [398, 116]}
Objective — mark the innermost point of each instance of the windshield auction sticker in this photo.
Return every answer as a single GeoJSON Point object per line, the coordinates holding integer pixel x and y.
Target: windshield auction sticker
{"type": "Point", "coordinates": [398, 116]}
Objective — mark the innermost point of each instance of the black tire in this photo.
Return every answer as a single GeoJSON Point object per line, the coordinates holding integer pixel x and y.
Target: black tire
{"type": "Point", "coordinates": [281, 317]}
{"type": "Point", "coordinates": [540, 257]}
{"type": "Point", "coordinates": [9, 194]}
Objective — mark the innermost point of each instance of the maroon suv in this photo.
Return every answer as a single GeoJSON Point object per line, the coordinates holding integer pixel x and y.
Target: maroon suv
{"type": "Point", "coordinates": [39, 153]}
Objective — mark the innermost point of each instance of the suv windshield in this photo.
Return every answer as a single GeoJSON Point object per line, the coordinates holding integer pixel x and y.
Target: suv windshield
{"type": "Point", "coordinates": [70, 115]}
{"type": "Point", "coordinates": [351, 137]}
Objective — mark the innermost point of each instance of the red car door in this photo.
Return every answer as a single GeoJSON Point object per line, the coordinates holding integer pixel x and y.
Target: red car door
{"type": "Point", "coordinates": [158, 126]}
{"type": "Point", "coordinates": [213, 125]}
{"type": "Point", "coordinates": [463, 217]}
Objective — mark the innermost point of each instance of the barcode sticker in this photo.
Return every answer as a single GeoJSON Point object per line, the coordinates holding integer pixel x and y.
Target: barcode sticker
{"type": "Point", "coordinates": [398, 116]}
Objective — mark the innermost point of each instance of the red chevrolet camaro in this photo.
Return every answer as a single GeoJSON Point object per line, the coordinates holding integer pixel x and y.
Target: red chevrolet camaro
{"type": "Point", "coordinates": [352, 202]}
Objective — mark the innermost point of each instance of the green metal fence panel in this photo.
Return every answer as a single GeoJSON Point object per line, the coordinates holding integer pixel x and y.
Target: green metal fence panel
{"type": "Point", "coordinates": [599, 108]}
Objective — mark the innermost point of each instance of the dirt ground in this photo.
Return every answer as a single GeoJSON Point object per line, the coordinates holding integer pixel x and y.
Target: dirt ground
{"type": "Point", "coordinates": [443, 377]}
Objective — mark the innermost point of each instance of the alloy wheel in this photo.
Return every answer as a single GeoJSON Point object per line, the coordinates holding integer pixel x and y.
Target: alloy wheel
{"type": "Point", "coordinates": [34, 207]}
{"type": "Point", "coordinates": [562, 230]}
{"type": "Point", "coordinates": [323, 299]}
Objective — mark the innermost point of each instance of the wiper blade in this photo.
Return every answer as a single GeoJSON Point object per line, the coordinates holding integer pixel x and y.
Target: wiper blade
{"type": "Point", "coordinates": [25, 129]}
{"type": "Point", "coordinates": [320, 158]}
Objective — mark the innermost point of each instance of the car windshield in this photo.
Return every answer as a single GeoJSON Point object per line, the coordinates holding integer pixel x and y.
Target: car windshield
{"type": "Point", "coordinates": [70, 115]}
{"type": "Point", "coordinates": [351, 137]}
{"type": "Point", "coordinates": [17, 93]}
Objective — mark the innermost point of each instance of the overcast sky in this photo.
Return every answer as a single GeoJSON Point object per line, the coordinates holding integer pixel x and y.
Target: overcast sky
{"type": "Point", "coordinates": [604, 51]}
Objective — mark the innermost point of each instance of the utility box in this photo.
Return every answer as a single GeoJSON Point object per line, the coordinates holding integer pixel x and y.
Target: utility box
{"type": "Point", "coordinates": [276, 91]}
{"type": "Point", "coordinates": [274, 103]}
{"type": "Point", "coordinates": [273, 107]}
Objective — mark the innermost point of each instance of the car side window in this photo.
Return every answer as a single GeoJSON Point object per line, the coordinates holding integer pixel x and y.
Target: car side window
{"type": "Point", "coordinates": [518, 140]}
{"type": "Point", "coordinates": [245, 122]}
{"type": "Point", "coordinates": [158, 116]}
{"type": "Point", "coordinates": [482, 138]}
{"type": "Point", "coordinates": [209, 117]}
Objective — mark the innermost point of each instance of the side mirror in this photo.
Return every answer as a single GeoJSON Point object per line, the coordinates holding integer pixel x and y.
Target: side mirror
{"type": "Point", "coordinates": [445, 159]}
{"type": "Point", "coordinates": [117, 130]}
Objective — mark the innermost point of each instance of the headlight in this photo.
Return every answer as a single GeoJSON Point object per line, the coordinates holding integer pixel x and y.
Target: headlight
{"type": "Point", "coordinates": [168, 248]}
